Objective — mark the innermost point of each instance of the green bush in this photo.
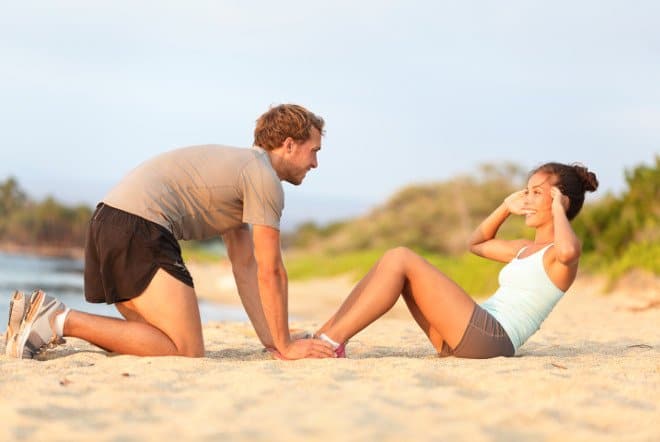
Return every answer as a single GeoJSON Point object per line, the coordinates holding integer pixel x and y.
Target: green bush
{"type": "Point", "coordinates": [44, 223]}
{"type": "Point", "coordinates": [645, 256]}
{"type": "Point", "coordinates": [617, 231]}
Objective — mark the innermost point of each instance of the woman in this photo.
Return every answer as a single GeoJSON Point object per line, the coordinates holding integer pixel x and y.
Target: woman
{"type": "Point", "coordinates": [538, 273]}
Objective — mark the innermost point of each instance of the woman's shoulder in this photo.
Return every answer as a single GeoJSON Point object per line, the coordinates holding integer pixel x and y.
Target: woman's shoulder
{"type": "Point", "coordinates": [561, 275]}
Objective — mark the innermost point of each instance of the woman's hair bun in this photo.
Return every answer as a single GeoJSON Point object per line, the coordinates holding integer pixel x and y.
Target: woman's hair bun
{"type": "Point", "coordinates": [589, 180]}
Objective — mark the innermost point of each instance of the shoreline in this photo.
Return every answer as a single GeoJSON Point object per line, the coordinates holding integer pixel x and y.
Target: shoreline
{"type": "Point", "coordinates": [46, 251]}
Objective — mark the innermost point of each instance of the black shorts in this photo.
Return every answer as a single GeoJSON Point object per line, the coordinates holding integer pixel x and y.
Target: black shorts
{"type": "Point", "coordinates": [484, 338]}
{"type": "Point", "coordinates": [123, 252]}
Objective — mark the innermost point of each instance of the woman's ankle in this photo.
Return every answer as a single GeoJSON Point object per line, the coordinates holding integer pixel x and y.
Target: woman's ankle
{"type": "Point", "coordinates": [329, 340]}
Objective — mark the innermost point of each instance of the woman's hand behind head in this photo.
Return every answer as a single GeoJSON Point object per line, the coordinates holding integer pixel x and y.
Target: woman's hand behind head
{"type": "Point", "coordinates": [559, 199]}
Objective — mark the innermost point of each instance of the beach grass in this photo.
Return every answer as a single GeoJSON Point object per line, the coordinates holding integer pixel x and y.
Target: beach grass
{"type": "Point", "coordinates": [476, 275]}
{"type": "Point", "coordinates": [644, 256]}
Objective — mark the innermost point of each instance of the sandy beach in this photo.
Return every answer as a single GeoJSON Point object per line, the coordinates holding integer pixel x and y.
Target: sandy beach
{"type": "Point", "coordinates": [591, 373]}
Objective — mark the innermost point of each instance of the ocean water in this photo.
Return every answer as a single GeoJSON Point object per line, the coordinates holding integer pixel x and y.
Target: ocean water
{"type": "Point", "coordinates": [63, 278]}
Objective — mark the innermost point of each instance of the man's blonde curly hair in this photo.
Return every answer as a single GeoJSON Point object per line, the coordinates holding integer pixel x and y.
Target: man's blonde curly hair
{"type": "Point", "coordinates": [283, 121]}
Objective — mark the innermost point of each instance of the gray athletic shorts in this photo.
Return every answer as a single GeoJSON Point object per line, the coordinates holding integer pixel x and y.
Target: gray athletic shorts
{"type": "Point", "coordinates": [484, 338]}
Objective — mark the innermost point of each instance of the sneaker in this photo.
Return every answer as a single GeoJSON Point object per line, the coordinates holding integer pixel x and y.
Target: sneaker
{"type": "Point", "coordinates": [17, 309]}
{"type": "Point", "coordinates": [37, 332]}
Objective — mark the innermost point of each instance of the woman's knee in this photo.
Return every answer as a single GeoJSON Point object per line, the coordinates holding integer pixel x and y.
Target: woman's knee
{"type": "Point", "coordinates": [398, 257]}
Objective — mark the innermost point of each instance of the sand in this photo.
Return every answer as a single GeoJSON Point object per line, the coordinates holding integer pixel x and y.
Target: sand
{"type": "Point", "coordinates": [591, 373]}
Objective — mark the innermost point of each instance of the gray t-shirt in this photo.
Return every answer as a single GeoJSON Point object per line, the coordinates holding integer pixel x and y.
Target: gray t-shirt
{"type": "Point", "coordinates": [199, 192]}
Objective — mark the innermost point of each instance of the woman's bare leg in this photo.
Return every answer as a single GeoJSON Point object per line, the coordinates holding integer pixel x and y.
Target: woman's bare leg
{"type": "Point", "coordinates": [163, 320]}
{"type": "Point", "coordinates": [431, 333]}
{"type": "Point", "coordinates": [438, 304]}
{"type": "Point", "coordinates": [351, 299]}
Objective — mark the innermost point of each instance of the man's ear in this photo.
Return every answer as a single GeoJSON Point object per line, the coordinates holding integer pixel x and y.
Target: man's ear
{"type": "Point", "coordinates": [288, 144]}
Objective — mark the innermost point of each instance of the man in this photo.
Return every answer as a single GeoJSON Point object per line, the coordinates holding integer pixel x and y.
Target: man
{"type": "Point", "coordinates": [133, 259]}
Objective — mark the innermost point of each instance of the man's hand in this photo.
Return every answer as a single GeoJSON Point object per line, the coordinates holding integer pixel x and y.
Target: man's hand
{"type": "Point", "coordinates": [308, 348]}
{"type": "Point", "coordinates": [515, 202]}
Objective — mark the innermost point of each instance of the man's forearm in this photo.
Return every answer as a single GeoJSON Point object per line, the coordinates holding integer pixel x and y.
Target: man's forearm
{"type": "Point", "coordinates": [248, 289]}
{"type": "Point", "coordinates": [274, 299]}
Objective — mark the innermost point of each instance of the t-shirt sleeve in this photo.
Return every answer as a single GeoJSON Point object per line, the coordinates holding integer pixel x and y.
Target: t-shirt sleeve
{"type": "Point", "coordinates": [263, 196]}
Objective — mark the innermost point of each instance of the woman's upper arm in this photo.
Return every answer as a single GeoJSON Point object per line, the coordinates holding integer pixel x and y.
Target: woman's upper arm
{"type": "Point", "coordinates": [562, 274]}
{"type": "Point", "coordinates": [499, 249]}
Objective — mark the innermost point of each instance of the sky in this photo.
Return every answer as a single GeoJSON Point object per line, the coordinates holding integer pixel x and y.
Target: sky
{"type": "Point", "coordinates": [411, 91]}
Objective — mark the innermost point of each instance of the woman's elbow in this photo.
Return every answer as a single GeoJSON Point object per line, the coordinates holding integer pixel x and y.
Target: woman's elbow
{"type": "Point", "coordinates": [569, 254]}
{"type": "Point", "coordinates": [475, 247]}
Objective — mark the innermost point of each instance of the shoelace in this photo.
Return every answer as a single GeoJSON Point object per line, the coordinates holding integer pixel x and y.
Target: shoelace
{"type": "Point", "coordinates": [52, 343]}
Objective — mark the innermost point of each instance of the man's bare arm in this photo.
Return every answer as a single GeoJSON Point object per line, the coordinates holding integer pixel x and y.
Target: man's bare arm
{"type": "Point", "coordinates": [240, 251]}
{"type": "Point", "coordinates": [273, 289]}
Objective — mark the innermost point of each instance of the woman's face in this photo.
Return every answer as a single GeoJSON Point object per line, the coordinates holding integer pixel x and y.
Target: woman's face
{"type": "Point", "coordinates": [538, 202]}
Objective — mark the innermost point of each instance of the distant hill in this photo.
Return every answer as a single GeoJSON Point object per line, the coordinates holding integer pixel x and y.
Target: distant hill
{"type": "Point", "coordinates": [434, 217]}
{"type": "Point", "coordinates": [618, 233]}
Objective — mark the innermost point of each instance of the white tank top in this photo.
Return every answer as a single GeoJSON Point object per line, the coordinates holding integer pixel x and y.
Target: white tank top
{"type": "Point", "coordinates": [525, 297]}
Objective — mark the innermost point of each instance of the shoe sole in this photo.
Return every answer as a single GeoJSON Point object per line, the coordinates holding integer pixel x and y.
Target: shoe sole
{"type": "Point", "coordinates": [10, 334]}
{"type": "Point", "coordinates": [36, 301]}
